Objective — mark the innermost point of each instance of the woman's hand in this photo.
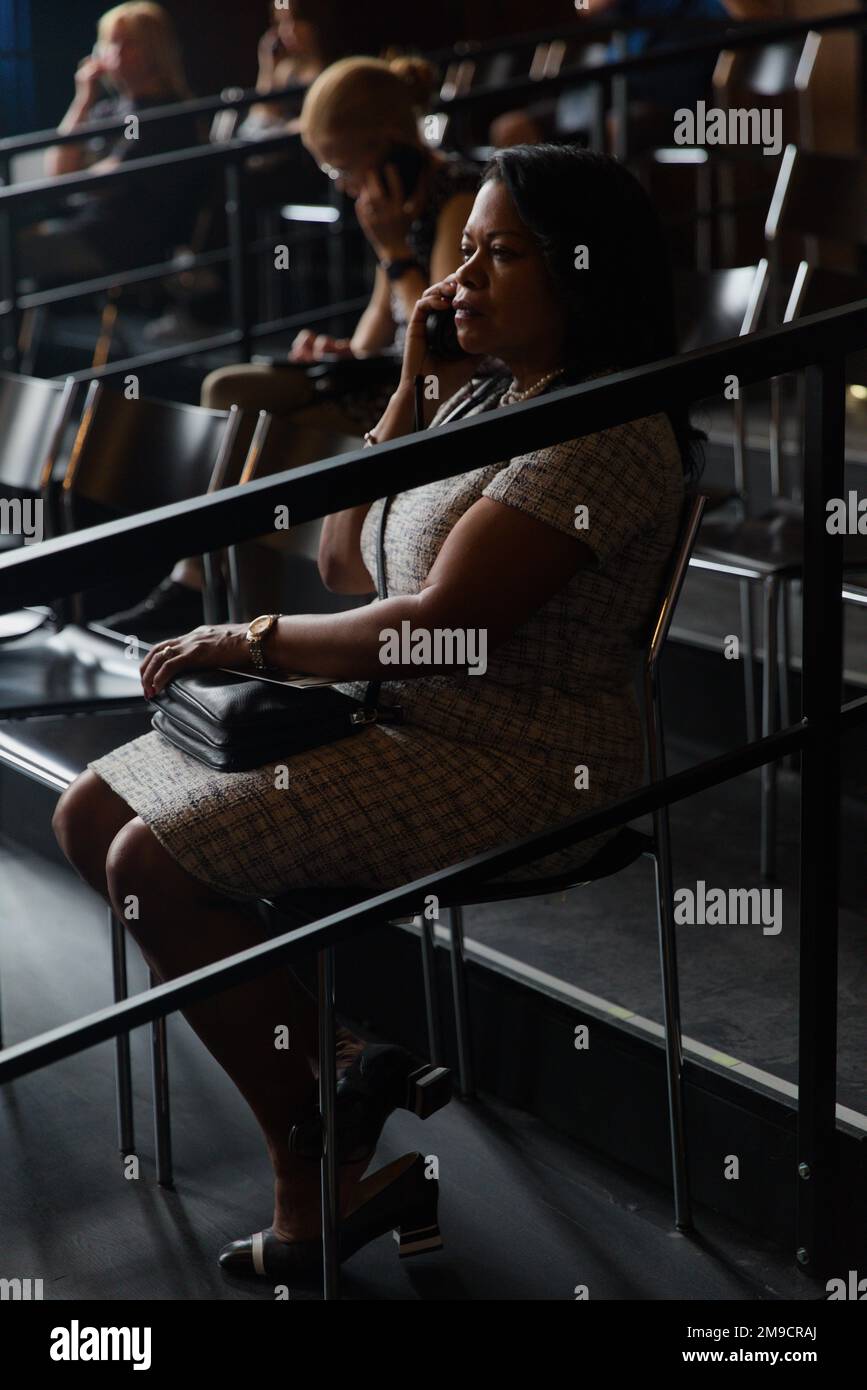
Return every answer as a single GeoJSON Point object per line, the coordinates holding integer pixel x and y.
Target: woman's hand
{"type": "Point", "coordinates": [417, 359]}
{"type": "Point", "coordinates": [203, 649]}
{"type": "Point", "coordinates": [88, 76]}
{"type": "Point", "coordinates": [312, 347]}
{"type": "Point", "coordinates": [385, 215]}
{"type": "Point", "coordinates": [268, 49]}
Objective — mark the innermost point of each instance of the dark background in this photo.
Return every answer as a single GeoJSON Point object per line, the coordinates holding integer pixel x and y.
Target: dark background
{"type": "Point", "coordinates": [41, 41]}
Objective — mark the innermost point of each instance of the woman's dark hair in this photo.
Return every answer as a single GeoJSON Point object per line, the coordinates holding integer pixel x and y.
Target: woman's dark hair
{"type": "Point", "coordinates": [618, 293]}
{"type": "Point", "coordinates": [341, 32]}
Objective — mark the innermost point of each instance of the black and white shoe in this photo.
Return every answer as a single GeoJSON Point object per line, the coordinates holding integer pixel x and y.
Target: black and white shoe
{"type": "Point", "coordinates": [398, 1198]}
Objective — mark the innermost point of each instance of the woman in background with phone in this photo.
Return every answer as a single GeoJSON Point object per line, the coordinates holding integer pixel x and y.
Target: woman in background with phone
{"type": "Point", "coordinates": [303, 38]}
{"type": "Point", "coordinates": [360, 121]}
{"type": "Point", "coordinates": [135, 64]}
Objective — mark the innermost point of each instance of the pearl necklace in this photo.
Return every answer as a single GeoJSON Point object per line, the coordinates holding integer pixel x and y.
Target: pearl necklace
{"type": "Point", "coordinates": [512, 397]}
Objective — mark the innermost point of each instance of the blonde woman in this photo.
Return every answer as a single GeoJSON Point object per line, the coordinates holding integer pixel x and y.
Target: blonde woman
{"type": "Point", "coordinates": [135, 64]}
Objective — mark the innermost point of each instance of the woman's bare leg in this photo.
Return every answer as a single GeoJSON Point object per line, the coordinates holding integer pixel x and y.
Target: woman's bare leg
{"type": "Point", "coordinates": [182, 925]}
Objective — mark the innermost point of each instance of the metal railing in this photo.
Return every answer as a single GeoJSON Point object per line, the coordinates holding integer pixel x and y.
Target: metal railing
{"type": "Point", "coordinates": [818, 345]}
{"type": "Point", "coordinates": [610, 79]}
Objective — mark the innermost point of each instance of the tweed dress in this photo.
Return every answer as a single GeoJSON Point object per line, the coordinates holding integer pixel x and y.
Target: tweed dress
{"type": "Point", "coordinates": [480, 759]}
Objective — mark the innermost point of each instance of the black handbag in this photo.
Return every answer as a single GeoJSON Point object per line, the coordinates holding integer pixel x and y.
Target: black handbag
{"type": "Point", "coordinates": [232, 722]}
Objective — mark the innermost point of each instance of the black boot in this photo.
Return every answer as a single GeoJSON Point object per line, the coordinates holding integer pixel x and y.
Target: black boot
{"type": "Point", "coordinates": [169, 610]}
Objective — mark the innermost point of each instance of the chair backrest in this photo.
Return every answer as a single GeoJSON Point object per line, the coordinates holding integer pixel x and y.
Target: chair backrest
{"type": "Point", "coordinates": [34, 415]}
{"type": "Point", "coordinates": [714, 305]}
{"type": "Point", "coordinates": [771, 69]}
{"type": "Point", "coordinates": [815, 288]}
{"type": "Point", "coordinates": [132, 455]}
{"type": "Point", "coordinates": [676, 571]}
{"type": "Point", "coordinates": [819, 195]}
{"type": "Point", "coordinates": [280, 444]}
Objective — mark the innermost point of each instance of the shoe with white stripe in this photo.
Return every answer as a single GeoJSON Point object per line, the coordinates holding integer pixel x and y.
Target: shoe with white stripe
{"type": "Point", "coordinates": [399, 1197]}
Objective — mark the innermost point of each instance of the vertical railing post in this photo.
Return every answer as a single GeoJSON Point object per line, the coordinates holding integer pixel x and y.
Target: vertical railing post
{"type": "Point", "coordinates": [238, 287]}
{"type": "Point", "coordinates": [9, 278]}
{"type": "Point", "coordinates": [822, 647]}
{"type": "Point", "coordinates": [327, 1109]}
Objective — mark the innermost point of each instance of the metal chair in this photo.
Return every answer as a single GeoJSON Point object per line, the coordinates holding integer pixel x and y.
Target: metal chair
{"type": "Point", "coordinates": [132, 455]}
{"type": "Point", "coordinates": [712, 306]}
{"type": "Point", "coordinates": [628, 845]}
{"type": "Point", "coordinates": [279, 444]}
{"type": "Point", "coordinates": [815, 196]}
{"type": "Point", "coordinates": [34, 418]}
{"type": "Point", "coordinates": [128, 456]}
{"type": "Point", "coordinates": [775, 74]}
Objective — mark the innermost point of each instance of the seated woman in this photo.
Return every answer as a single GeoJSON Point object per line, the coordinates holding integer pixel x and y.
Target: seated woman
{"type": "Point", "coordinates": [360, 120]}
{"type": "Point", "coordinates": [137, 60]}
{"type": "Point", "coordinates": [304, 37]}
{"type": "Point", "coordinates": [487, 754]}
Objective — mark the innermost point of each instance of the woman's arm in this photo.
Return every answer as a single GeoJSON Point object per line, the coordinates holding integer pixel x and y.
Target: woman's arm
{"type": "Point", "coordinates": [69, 159]}
{"type": "Point", "coordinates": [341, 566]}
{"type": "Point", "coordinates": [375, 329]}
{"type": "Point", "coordinates": [497, 566]}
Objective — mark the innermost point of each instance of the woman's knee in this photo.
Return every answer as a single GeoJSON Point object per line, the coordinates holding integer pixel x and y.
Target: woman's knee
{"type": "Point", "coordinates": [85, 821]}
{"type": "Point", "coordinates": [251, 387]}
{"type": "Point", "coordinates": [135, 871]}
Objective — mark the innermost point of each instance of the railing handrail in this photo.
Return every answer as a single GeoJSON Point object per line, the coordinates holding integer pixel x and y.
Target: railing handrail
{"type": "Point", "coordinates": [36, 574]}
{"type": "Point", "coordinates": [735, 35]}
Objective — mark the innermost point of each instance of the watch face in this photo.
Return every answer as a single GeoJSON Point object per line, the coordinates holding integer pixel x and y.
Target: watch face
{"type": "Point", "coordinates": [259, 626]}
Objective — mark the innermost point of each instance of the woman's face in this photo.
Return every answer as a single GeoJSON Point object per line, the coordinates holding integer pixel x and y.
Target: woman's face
{"type": "Point", "coordinates": [297, 36]}
{"type": "Point", "coordinates": [348, 160]}
{"type": "Point", "coordinates": [506, 304]}
{"type": "Point", "coordinates": [123, 56]}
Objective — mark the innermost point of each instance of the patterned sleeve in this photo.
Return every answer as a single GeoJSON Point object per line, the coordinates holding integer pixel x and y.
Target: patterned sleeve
{"type": "Point", "coordinates": [603, 489]}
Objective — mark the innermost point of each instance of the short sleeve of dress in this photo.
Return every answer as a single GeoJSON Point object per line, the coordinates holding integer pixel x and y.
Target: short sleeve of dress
{"type": "Point", "coordinates": [603, 489]}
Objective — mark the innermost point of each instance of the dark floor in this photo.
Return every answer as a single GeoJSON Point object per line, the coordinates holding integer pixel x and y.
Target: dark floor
{"type": "Point", "coordinates": [509, 1185]}
{"type": "Point", "coordinates": [524, 1215]}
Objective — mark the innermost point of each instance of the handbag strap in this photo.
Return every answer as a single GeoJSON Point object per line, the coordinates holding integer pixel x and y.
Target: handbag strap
{"type": "Point", "coordinates": [372, 693]}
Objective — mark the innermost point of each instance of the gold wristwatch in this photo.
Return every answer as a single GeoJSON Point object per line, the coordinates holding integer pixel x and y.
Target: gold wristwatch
{"type": "Point", "coordinates": [256, 634]}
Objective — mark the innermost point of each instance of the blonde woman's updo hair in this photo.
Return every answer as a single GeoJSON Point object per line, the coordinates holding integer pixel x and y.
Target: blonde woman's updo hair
{"type": "Point", "coordinates": [367, 97]}
{"type": "Point", "coordinates": [154, 30]}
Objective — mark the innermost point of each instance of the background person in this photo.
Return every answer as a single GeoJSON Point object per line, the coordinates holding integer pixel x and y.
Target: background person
{"type": "Point", "coordinates": [136, 65]}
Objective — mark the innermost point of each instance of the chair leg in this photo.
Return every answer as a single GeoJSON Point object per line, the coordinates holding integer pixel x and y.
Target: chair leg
{"type": "Point", "coordinates": [748, 658]}
{"type": "Point", "coordinates": [671, 1018]}
{"type": "Point", "coordinates": [431, 990]}
{"type": "Point", "coordinates": [784, 663]}
{"type": "Point", "coordinates": [327, 1111]}
{"type": "Point", "coordinates": [162, 1112]}
{"type": "Point", "coordinates": [769, 713]}
{"type": "Point", "coordinates": [122, 1065]}
{"type": "Point", "coordinates": [459, 995]}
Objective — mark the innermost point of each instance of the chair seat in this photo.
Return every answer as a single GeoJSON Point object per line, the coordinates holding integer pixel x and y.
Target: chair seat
{"type": "Point", "coordinates": [309, 904]}
{"type": "Point", "coordinates": [770, 545]}
{"type": "Point", "coordinates": [55, 748]}
{"type": "Point", "coordinates": [70, 667]}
